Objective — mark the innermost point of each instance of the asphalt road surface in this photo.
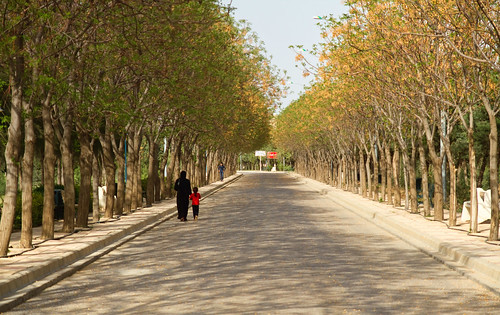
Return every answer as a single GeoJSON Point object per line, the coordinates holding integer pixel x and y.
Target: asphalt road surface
{"type": "Point", "coordinates": [267, 244]}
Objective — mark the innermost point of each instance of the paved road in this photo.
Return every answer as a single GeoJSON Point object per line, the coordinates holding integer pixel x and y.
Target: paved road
{"type": "Point", "coordinates": [266, 244]}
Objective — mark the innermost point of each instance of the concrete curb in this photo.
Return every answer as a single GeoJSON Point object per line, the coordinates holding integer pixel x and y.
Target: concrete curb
{"type": "Point", "coordinates": [469, 256]}
{"type": "Point", "coordinates": [460, 259]}
{"type": "Point", "coordinates": [34, 279]}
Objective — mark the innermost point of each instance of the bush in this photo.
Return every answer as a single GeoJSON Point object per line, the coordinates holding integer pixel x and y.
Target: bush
{"type": "Point", "coordinates": [37, 206]}
{"type": "Point", "coordinates": [2, 184]}
{"type": "Point", "coordinates": [288, 168]}
{"type": "Point", "coordinates": [77, 193]}
{"type": "Point", "coordinates": [463, 189]}
{"type": "Point", "coordinates": [37, 209]}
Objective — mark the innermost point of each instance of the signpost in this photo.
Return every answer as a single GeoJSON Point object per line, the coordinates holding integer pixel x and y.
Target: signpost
{"type": "Point", "coordinates": [260, 154]}
{"type": "Point", "coordinates": [268, 155]}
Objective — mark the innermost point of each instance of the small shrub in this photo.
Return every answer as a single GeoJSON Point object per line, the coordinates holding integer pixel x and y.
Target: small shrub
{"type": "Point", "coordinates": [463, 190]}
{"type": "Point", "coordinates": [2, 184]}
{"type": "Point", "coordinates": [77, 193]}
{"type": "Point", "coordinates": [288, 168]}
{"type": "Point", "coordinates": [37, 209]}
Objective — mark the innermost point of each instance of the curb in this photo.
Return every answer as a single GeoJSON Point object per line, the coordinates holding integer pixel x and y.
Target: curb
{"type": "Point", "coordinates": [477, 267]}
{"type": "Point", "coordinates": [34, 280]}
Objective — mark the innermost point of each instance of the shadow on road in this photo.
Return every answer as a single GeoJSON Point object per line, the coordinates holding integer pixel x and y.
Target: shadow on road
{"type": "Point", "coordinates": [267, 244]}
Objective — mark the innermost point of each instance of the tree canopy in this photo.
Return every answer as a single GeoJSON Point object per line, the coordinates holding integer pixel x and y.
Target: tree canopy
{"type": "Point", "coordinates": [401, 77]}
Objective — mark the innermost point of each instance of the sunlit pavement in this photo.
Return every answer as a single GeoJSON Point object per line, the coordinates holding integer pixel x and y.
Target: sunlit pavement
{"type": "Point", "coordinates": [26, 272]}
{"type": "Point", "coordinates": [273, 243]}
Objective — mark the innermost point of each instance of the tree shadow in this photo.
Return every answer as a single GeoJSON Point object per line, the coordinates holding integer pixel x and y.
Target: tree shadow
{"type": "Point", "coordinates": [266, 245]}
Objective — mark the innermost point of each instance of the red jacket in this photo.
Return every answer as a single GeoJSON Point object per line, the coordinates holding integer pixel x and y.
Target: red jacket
{"type": "Point", "coordinates": [196, 198]}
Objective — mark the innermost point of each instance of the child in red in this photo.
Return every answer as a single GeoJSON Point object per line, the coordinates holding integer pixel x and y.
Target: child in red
{"type": "Point", "coordinates": [195, 197]}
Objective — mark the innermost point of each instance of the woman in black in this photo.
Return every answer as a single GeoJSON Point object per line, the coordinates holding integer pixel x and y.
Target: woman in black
{"type": "Point", "coordinates": [183, 188]}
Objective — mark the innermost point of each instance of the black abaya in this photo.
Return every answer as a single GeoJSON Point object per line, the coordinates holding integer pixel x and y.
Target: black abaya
{"type": "Point", "coordinates": [183, 188]}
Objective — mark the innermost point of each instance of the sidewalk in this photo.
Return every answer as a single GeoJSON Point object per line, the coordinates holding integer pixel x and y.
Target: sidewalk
{"type": "Point", "coordinates": [468, 254]}
{"type": "Point", "coordinates": [26, 273]}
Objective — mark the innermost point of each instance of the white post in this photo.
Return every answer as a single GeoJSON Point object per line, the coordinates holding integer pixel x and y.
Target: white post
{"type": "Point", "coordinates": [164, 151]}
{"type": "Point", "coordinates": [441, 151]}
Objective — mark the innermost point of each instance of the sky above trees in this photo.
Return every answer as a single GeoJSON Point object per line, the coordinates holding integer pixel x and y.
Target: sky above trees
{"type": "Point", "coordinates": [281, 23]}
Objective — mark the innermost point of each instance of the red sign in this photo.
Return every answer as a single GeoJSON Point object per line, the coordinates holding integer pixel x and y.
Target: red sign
{"type": "Point", "coordinates": [272, 155]}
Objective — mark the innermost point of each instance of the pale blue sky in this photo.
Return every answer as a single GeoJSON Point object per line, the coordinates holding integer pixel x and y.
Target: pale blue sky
{"type": "Point", "coordinates": [281, 23]}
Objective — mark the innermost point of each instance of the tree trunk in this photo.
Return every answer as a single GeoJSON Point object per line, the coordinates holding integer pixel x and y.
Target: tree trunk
{"type": "Point", "coordinates": [210, 162]}
{"type": "Point", "coordinates": [132, 181]}
{"type": "Point", "coordinates": [344, 174]}
{"type": "Point", "coordinates": [438, 188]}
{"type": "Point", "coordinates": [49, 163]}
{"type": "Point", "coordinates": [109, 166]}
{"type": "Point", "coordinates": [362, 173]}
{"type": "Point", "coordinates": [171, 167]}
{"type": "Point", "coordinates": [157, 188]}
{"type": "Point", "coordinates": [405, 175]}
{"type": "Point", "coordinates": [119, 152]}
{"type": "Point", "coordinates": [375, 170]}
{"type": "Point", "coordinates": [27, 178]}
{"type": "Point", "coordinates": [368, 175]}
{"type": "Point", "coordinates": [355, 174]}
{"type": "Point", "coordinates": [95, 188]}
{"type": "Point", "coordinates": [437, 162]}
{"type": "Point", "coordinates": [452, 220]}
{"type": "Point", "coordinates": [68, 175]}
{"type": "Point", "coordinates": [137, 169]}
{"type": "Point", "coordinates": [329, 166]}
{"type": "Point", "coordinates": [59, 177]}
{"type": "Point", "coordinates": [493, 236]}
{"type": "Point", "coordinates": [396, 175]}
{"type": "Point", "coordinates": [120, 182]}
{"type": "Point", "coordinates": [138, 183]}
{"type": "Point", "coordinates": [413, 186]}
{"type": "Point", "coordinates": [425, 177]}
{"type": "Point", "coordinates": [388, 162]}
{"type": "Point", "coordinates": [194, 167]}
{"type": "Point", "coordinates": [203, 167]}
{"type": "Point", "coordinates": [13, 147]}
{"type": "Point", "coordinates": [333, 173]}
{"type": "Point", "coordinates": [473, 182]}
{"type": "Point", "coordinates": [129, 184]}
{"type": "Point", "coordinates": [85, 179]}
{"type": "Point", "coordinates": [339, 173]}
{"type": "Point", "coordinates": [110, 188]}
{"type": "Point", "coordinates": [383, 172]}
{"type": "Point", "coordinates": [27, 167]}
{"type": "Point", "coordinates": [152, 160]}
{"type": "Point", "coordinates": [413, 178]}
{"type": "Point", "coordinates": [163, 166]}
